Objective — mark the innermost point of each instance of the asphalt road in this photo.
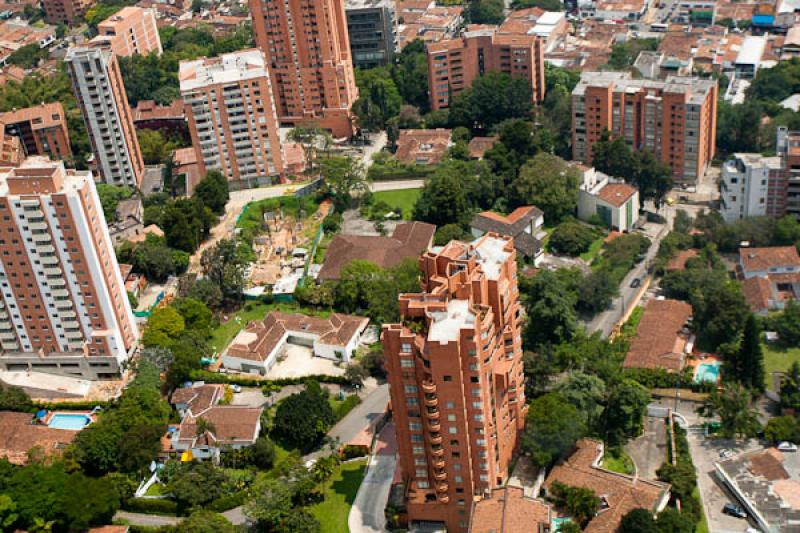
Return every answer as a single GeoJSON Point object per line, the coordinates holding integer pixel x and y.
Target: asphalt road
{"type": "Point", "coordinates": [367, 513]}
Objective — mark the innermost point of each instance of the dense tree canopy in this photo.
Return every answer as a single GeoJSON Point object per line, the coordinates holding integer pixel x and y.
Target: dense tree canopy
{"type": "Point", "coordinates": [548, 182]}
{"type": "Point", "coordinates": [303, 418]}
{"type": "Point", "coordinates": [552, 427]}
{"type": "Point", "coordinates": [492, 98]}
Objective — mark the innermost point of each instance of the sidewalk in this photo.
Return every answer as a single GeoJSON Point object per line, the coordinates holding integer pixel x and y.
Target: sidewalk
{"type": "Point", "coordinates": [367, 513]}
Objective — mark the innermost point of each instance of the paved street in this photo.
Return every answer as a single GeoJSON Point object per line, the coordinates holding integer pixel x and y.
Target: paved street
{"type": "Point", "coordinates": [367, 514]}
{"type": "Point", "coordinates": [649, 450]}
{"type": "Point", "coordinates": [148, 520]}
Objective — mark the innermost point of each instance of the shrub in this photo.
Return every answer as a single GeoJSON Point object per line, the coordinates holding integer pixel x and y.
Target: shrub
{"type": "Point", "coordinates": [152, 506]}
{"type": "Point", "coordinates": [228, 502]}
{"type": "Point", "coordinates": [346, 406]}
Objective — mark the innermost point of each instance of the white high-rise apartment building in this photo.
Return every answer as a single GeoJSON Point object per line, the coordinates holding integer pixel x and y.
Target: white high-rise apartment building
{"type": "Point", "coordinates": [232, 119]}
{"type": "Point", "coordinates": [63, 305]}
{"type": "Point", "coordinates": [97, 84]}
{"type": "Point", "coordinates": [745, 185]}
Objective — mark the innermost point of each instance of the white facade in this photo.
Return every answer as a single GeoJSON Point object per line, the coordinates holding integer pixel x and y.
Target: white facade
{"type": "Point", "coordinates": [116, 154]}
{"type": "Point", "coordinates": [744, 185]}
{"type": "Point", "coordinates": [622, 218]}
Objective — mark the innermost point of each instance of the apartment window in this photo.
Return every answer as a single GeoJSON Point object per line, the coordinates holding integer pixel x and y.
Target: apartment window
{"type": "Point", "coordinates": [450, 405]}
{"type": "Point", "coordinates": [418, 449]}
{"type": "Point", "coordinates": [411, 401]}
{"type": "Point", "coordinates": [477, 405]}
{"type": "Point", "coordinates": [423, 484]}
{"type": "Point", "coordinates": [448, 378]}
{"type": "Point", "coordinates": [421, 472]}
{"type": "Point", "coordinates": [420, 461]}
{"type": "Point", "coordinates": [415, 426]}
{"type": "Point", "coordinates": [451, 418]}
{"type": "Point", "coordinates": [406, 363]}
{"type": "Point", "coordinates": [416, 437]}
{"type": "Point", "coordinates": [411, 389]}
{"type": "Point", "coordinates": [452, 430]}
{"type": "Point", "coordinates": [405, 347]}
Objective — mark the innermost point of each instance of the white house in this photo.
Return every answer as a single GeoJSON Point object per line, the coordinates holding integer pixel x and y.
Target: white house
{"type": "Point", "coordinates": [616, 204]}
{"type": "Point", "coordinates": [227, 428]}
{"type": "Point", "coordinates": [256, 348]}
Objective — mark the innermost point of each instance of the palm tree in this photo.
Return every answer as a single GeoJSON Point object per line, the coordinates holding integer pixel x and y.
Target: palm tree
{"type": "Point", "coordinates": [204, 426]}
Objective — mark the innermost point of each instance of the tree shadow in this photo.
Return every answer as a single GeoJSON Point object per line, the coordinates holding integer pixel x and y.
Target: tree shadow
{"type": "Point", "coordinates": [348, 484]}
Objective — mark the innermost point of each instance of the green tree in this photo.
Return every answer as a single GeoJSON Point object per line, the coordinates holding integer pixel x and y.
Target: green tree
{"type": "Point", "coordinates": [225, 264]}
{"type": "Point", "coordinates": [313, 140]}
{"type": "Point", "coordinates": [553, 305]}
{"type": "Point", "coordinates": [548, 182]}
{"type": "Point", "coordinates": [720, 312]}
{"type": "Point", "coordinates": [492, 98]}
{"type": "Point", "coordinates": [156, 148]}
{"type": "Point", "coordinates": [302, 419]}
{"type": "Point", "coordinates": [587, 393]}
{"type": "Point", "coordinates": [411, 75]}
{"type": "Point", "coordinates": [782, 428]}
{"type": "Point", "coordinates": [737, 416]}
{"type": "Point", "coordinates": [28, 56]}
{"type": "Point", "coordinates": [301, 521]}
{"type": "Point", "coordinates": [627, 405]}
{"type": "Point", "coordinates": [345, 177]}
{"type": "Point", "coordinates": [207, 292]}
{"type": "Point", "coordinates": [110, 196]}
{"type": "Point", "coordinates": [571, 238]}
{"type": "Point", "coordinates": [443, 200]}
{"type": "Point", "coordinates": [746, 365]}
{"type": "Point", "coordinates": [158, 356]}
{"type": "Point", "coordinates": [638, 521]}
{"type": "Point", "coordinates": [485, 12]}
{"type": "Point", "coordinates": [547, 5]}
{"type": "Point", "coordinates": [206, 522]}
{"type": "Point", "coordinates": [552, 427]}
{"type": "Point", "coordinates": [790, 388]}
{"type": "Point", "coordinates": [355, 280]}
{"type": "Point", "coordinates": [271, 503]}
{"type": "Point", "coordinates": [581, 503]}
{"type": "Point", "coordinates": [14, 399]}
{"type": "Point", "coordinates": [196, 484]}
{"type": "Point", "coordinates": [596, 291]}
{"type": "Point", "coordinates": [449, 232]}
{"type": "Point", "coordinates": [787, 324]}
{"type": "Point", "coordinates": [8, 514]}
{"type": "Point", "coordinates": [379, 100]}
{"type": "Point", "coordinates": [263, 453]}
{"type": "Point", "coordinates": [213, 191]}
{"type": "Point", "coordinates": [163, 327]}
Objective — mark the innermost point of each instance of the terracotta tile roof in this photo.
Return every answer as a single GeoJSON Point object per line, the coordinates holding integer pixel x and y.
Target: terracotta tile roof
{"type": "Point", "coordinates": [260, 338]}
{"type": "Point", "coordinates": [18, 435]}
{"type": "Point", "coordinates": [478, 145]}
{"type": "Point", "coordinates": [757, 292]}
{"type": "Point", "coordinates": [616, 194]}
{"type": "Point", "coordinates": [198, 399]}
{"type": "Point", "coordinates": [768, 465]}
{"type": "Point", "coordinates": [679, 261]}
{"type": "Point", "coordinates": [231, 424]}
{"type": "Point", "coordinates": [622, 493]}
{"type": "Point", "coordinates": [424, 147]}
{"type": "Point", "coordinates": [409, 240]}
{"type": "Point", "coordinates": [110, 529]}
{"type": "Point", "coordinates": [513, 225]}
{"type": "Point", "coordinates": [762, 259]}
{"type": "Point", "coordinates": [659, 342]}
{"type": "Point", "coordinates": [507, 510]}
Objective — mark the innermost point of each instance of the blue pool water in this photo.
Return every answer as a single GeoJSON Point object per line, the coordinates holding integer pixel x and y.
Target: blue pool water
{"type": "Point", "coordinates": [558, 521]}
{"type": "Point", "coordinates": [707, 372]}
{"type": "Point", "coordinates": [68, 421]}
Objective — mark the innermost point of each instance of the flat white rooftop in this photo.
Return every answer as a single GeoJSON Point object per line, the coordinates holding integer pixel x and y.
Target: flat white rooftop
{"type": "Point", "coordinates": [491, 255]}
{"type": "Point", "coordinates": [446, 326]}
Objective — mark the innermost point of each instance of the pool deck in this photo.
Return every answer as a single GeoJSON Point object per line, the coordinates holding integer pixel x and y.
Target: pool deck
{"type": "Point", "coordinates": [51, 414]}
{"type": "Point", "coordinates": [697, 361]}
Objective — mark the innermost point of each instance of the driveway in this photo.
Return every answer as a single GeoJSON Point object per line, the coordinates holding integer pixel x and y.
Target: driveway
{"type": "Point", "coordinates": [148, 520]}
{"type": "Point", "coordinates": [649, 451]}
{"type": "Point", "coordinates": [367, 513]}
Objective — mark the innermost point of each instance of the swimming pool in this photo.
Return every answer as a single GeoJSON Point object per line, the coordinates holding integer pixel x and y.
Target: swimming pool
{"type": "Point", "coordinates": [707, 372]}
{"type": "Point", "coordinates": [71, 421]}
{"type": "Point", "coordinates": [559, 521]}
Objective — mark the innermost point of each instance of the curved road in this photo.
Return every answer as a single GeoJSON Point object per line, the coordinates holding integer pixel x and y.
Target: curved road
{"type": "Point", "coordinates": [367, 513]}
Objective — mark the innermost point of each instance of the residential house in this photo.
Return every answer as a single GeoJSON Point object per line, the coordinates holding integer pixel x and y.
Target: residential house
{"type": "Point", "coordinates": [770, 276]}
{"type": "Point", "coordinates": [128, 222]}
{"type": "Point", "coordinates": [422, 147]}
{"type": "Point", "coordinates": [662, 338]}
{"type": "Point", "coordinates": [522, 224]}
{"type": "Point", "coordinates": [257, 347]}
{"type": "Point", "coordinates": [678, 262]}
{"type": "Point", "coordinates": [619, 493]}
{"type": "Point", "coordinates": [20, 432]}
{"type": "Point", "coordinates": [479, 145]}
{"type": "Point", "coordinates": [197, 398]}
{"type": "Point", "coordinates": [616, 204]}
{"type": "Point", "coordinates": [228, 427]}
{"type": "Point", "coordinates": [408, 241]}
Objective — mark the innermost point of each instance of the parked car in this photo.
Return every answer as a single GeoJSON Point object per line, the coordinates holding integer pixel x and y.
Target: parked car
{"type": "Point", "coordinates": [636, 282]}
{"type": "Point", "coordinates": [236, 388]}
{"type": "Point", "coordinates": [724, 454]}
{"type": "Point", "coordinates": [787, 447]}
{"type": "Point", "coordinates": [734, 510]}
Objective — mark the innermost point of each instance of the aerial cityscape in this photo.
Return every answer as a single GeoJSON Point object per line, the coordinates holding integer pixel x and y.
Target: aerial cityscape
{"type": "Point", "coordinates": [467, 266]}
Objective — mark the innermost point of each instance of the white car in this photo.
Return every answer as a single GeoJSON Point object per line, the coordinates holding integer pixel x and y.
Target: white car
{"type": "Point", "coordinates": [787, 446]}
{"type": "Point", "coordinates": [724, 454]}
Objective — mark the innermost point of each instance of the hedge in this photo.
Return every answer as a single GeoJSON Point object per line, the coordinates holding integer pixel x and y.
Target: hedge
{"type": "Point", "coordinates": [245, 381]}
{"type": "Point", "coordinates": [228, 502]}
{"type": "Point", "coordinates": [346, 406]}
{"type": "Point", "coordinates": [82, 405]}
{"type": "Point", "coordinates": [152, 506]}
{"type": "Point", "coordinates": [378, 172]}
{"type": "Point", "coordinates": [658, 378]}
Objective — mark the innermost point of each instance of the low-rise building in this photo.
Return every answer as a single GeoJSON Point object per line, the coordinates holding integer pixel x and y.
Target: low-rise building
{"type": "Point", "coordinates": [522, 225]}
{"type": "Point", "coordinates": [196, 398]}
{"type": "Point", "coordinates": [766, 483]}
{"type": "Point", "coordinates": [616, 9]}
{"type": "Point", "coordinates": [42, 130]}
{"type": "Point", "coordinates": [257, 347]}
{"type": "Point", "coordinates": [615, 204]}
{"type": "Point", "coordinates": [226, 428]}
{"type": "Point", "coordinates": [745, 186]}
{"type": "Point", "coordinates": [169, 119]}
{"type": "Point", "coordinates": [14, 34]}
{"type": "Point", "coordinates": [750, 56]}
{"type": "Point", "coordinates": [128, 222]}
{"type": "Point", "coordinates": [408, 241]}
{"type": "Point", "coordinates": [662, 338]}
{"type": "Point", "coordinates": [21, 432]}
{"type": "Point", "coordinates": [770, 276]}
{"type": "Point", "coordinates": [422, 147]}
{"type": "Point", "coordinates": [619, 493]}
{"type": "Point", "coordinates": [478, 146]}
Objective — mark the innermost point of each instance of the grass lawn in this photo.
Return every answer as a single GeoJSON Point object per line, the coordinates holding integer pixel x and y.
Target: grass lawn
{"type": "Point", "coordinates": [340, 493]}
{"type": "Point", "coordinates": [620, 463]}
{"type": "Point", "coordinates": [223, 334]}
{"type": "Point", "coordinates": [778, 360]}
{"type": "Point", "coordinates": [593, 250]}
{"type": "Point", "coordinates": [402, 200]}
{"type": "Point", "coordinates": [702, 525]}
{"type": "Point", "coordinates": [156, 489]}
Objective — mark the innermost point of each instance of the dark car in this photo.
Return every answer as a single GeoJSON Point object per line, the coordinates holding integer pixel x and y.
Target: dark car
{"type": "Point", "coordinates": [636, 282]}
{"type": "Point", "coordinates": [734, 510]}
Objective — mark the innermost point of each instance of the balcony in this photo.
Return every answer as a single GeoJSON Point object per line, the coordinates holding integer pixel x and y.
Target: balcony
{"type": "Point", "coordinates": [435, 438]}
{"type": "Point", "coordinates": [58, 282]}
{"type": "Point", "coordinates": [52, 271]}
{"type": "Point", "coordinates": [434, 426]}
{"type": "Point", "coordinates": [438, 463]}
{"type": "Point", "coordinates": [432, 413]}
{"type": "Point", "coordinates": [49, 260]}
{"type": "Point", "coordinates": [436, 451]}
{"type": "Point", "coordinates": [442, 487]}
{"type": "Point", "coordinates": [11, 336]}
{"type": "Point", "coordinates": [428, 387]}
{"type": "Point", "coordinates": [42, 237]}
{"type": "Point", "coordinates": [431, 400]}
{"type": "Point", "coordinates": [444, 498]}
{"type": "Point", "coordinates": [440, 475]}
